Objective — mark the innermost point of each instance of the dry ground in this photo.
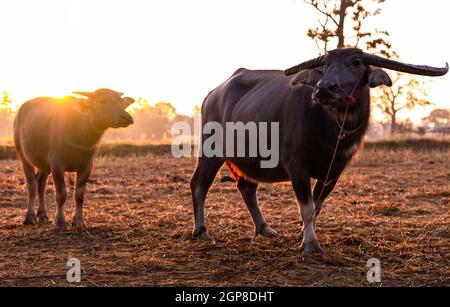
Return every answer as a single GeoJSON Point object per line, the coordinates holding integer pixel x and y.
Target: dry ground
{"type": "Point", "coordinates": [391, 205]}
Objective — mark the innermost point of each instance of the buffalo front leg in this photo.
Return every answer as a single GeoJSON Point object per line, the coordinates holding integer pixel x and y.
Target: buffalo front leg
{"type": "Point", "coordinates": [42, 177]}
{"type": "Point", "coordinates": [320, 193]}
{"type": "Point", "coordinates": [61, 196]}
{"type": "Point", "coordinates": [30, 218]}
{"type": "Point", "coordinates": [248, 192]}
{"type": "Point", "coordinates": [302, 188]}
{"type": "Point", "coordinates": [80, 189]}
{"type": "Point", "coordinates": [201, 181]}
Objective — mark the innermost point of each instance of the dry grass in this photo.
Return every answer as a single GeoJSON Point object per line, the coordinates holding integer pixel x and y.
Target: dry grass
{"type": "Point", "coordinates": [391, 205]}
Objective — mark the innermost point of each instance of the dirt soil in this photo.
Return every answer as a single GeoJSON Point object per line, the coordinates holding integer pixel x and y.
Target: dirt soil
{"type": "Point", "coordinates": [390, 205]}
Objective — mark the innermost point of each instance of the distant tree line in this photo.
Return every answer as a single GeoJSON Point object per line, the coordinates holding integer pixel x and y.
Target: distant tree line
{"type": "Point", "coordinates": [7, 111]}
{"type": "Point", "coordinates": [152, 122]}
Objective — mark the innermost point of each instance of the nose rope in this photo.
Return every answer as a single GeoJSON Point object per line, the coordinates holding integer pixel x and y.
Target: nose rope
{"type": "Point", "coordinates": [350, 100]}
{"type": "Point", "coordinates": [350, 97]}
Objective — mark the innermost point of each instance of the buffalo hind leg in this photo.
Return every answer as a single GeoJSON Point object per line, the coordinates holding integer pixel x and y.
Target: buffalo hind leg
{"type": "Point", "coordinates": [248, 192]}
{"type": "Point", "coordinates": [80, 189]}
{"type": "Point", "coordinates": [61, 196]}
{"type": "Point", "coordinates": [201, 181]}
{"type": "Point", "coordinates": [302, 188]}
{"type": "Point", "coordinates": [42, 183]}
{"type": "Point", "coordinates": [30, 175]}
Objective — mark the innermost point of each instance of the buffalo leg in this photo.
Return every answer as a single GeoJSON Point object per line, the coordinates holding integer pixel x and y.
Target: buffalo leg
{"type": "Point", "coordinates": [42, 183]}
{"type": "Point", "coordinates": [302, 188]}
{"type": "Point", "coordinates": [61, 196]}
{"type": "Point", "coordinates": [30, 176]}
{"type": "Point", "coordinates": [201, 181]}
{"type": "Point", "coordinates": [321, 192]}
{"type": "Point", "coordinates": [80, 189]}
{"type": "Point", "coordinates": [248, 192]}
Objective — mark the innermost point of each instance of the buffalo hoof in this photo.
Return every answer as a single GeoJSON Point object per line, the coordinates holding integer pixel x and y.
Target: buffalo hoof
{"type": "Point", "coordinates": [42, 217]}
{"type": "Point", "coordinates": [203, 236]}
{"type": "Point", "coordinates": [78, 224]}
{"type": "Point", "coordinates": [30, 219]}
{"type": "Point", "coordinates": [266, 231]}
{"type": "Point", "coordinates": [60, 224]}
{"type": "Point", "coordinates": [310, 248]}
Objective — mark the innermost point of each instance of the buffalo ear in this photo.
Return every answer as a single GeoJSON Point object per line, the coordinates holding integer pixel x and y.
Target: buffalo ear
{"type": "Point", "coordinates": [126, 102]}
{"type": "Point", "coordinates": [378, 77]}
{"type": "Point", "coordinates": [308, 77]}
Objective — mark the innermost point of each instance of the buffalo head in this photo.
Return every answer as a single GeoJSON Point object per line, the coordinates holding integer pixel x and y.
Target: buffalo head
{"type": "Point", "coordinates": [345, 72]}
{"type": "Point", "coordinates": [108, 107]}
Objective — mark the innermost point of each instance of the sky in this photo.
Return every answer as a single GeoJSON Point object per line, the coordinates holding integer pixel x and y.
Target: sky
{"type": "Point", "coordinates": [179, 50]}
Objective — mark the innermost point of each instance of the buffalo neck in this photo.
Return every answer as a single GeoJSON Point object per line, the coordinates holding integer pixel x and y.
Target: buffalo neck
{"type": "Point", "coordinates": [86, 132]}
{"type": "Point", "coordinates": [358, 114]}
{"type": "Point", "coordinates": [94, 131]}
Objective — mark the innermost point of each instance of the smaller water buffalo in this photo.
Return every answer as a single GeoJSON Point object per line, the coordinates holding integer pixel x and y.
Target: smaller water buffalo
{"type": "Point", "coordinates": [61, 135]}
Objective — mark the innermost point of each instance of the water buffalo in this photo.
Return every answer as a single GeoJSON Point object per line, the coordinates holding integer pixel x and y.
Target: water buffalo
{"type": "Point", "coordinates": [309, 102]}
{"type": "Point", "coordinates": [61, 135]}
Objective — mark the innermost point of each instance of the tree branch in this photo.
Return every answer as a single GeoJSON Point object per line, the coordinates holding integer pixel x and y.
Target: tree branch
{"type": "Point", "coordinates": [316, 6]}
{"type": "Point", "coordinates": [402, 107]}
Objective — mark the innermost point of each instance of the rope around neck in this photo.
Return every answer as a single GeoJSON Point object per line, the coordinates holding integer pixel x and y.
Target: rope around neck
{"type": "Point", "coordinates": [350, 100]}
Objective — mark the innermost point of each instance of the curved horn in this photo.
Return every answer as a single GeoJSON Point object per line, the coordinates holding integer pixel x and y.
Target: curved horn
{"type": "Point", "coordinates": [371, 59]}
{"type": "Point", "coordinates": [85, 94]}
{"type": "Point", "coordinates": [319, 61]}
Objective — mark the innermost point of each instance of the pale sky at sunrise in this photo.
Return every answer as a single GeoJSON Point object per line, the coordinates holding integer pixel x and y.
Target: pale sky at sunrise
{"type": "Point", "coordinates": [177, 51]}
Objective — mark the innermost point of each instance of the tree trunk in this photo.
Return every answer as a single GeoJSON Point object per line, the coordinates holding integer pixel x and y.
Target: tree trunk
{"type": "Point", "coordinates": [340, 29]}
{"type": "Point", "coordinates": [393, 123]}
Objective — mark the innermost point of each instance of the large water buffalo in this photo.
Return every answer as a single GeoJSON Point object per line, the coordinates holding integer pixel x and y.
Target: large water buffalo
{"type": "Point", "coordinates": [309, 102]}
{"type": "Point", "coordinates": [57, 136]}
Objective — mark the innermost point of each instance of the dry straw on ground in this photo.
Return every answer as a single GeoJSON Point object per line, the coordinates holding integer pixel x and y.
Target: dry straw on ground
{"type": "Point", "coordinates": [391, 205]}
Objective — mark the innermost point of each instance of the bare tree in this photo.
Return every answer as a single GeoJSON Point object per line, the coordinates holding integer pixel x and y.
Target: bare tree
{"type": "Point", "coordinates": [405, 94]}
{"type": "Point", "coordinates": [344, 23]}
{"type": "Point", "coordinates": [334, 16]}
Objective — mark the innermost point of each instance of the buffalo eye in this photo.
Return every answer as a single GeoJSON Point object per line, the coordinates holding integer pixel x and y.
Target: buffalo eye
{"type": "Point", "coordinates": [357, 63]}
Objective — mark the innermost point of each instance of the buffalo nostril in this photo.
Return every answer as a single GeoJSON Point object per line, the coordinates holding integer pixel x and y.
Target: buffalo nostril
{"type": "Point", "coordinates": [126, 118]}
{"type": "Point", "coordinates": [326, 85]}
